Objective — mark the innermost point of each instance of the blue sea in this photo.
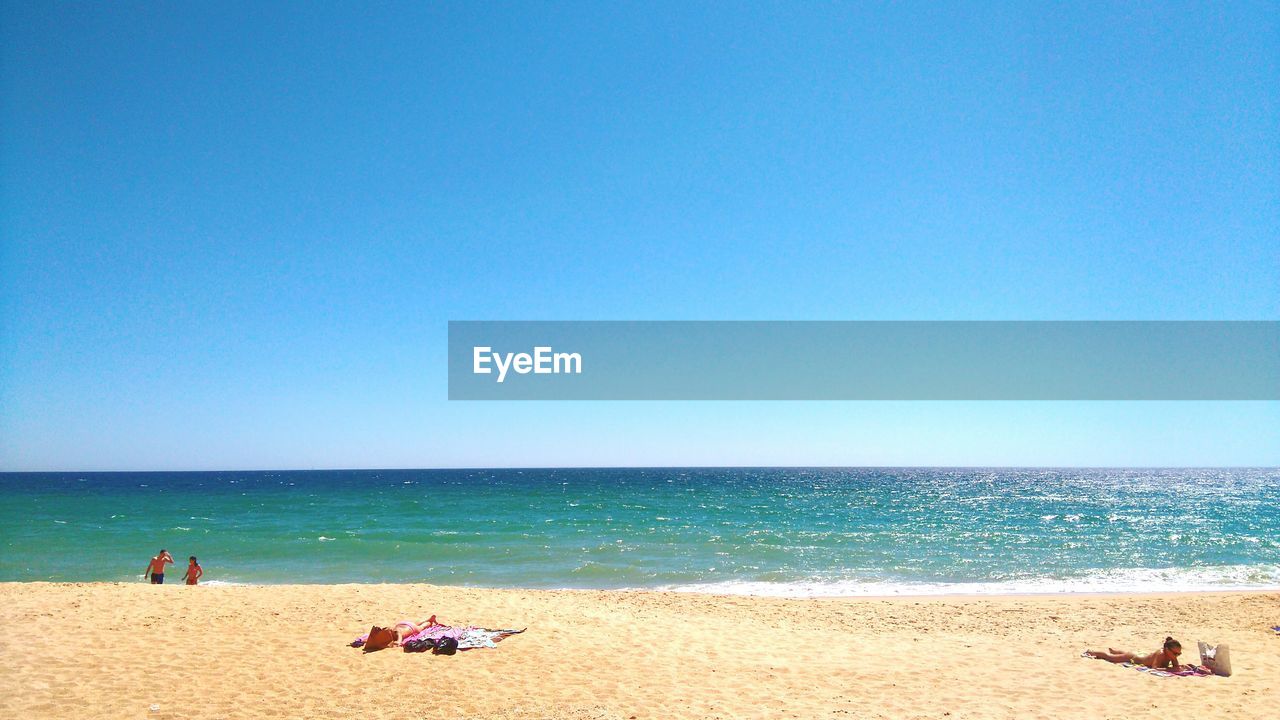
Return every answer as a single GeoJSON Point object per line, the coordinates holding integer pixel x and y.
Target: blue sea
{"type": "Point", "coordinates": [774, 531]}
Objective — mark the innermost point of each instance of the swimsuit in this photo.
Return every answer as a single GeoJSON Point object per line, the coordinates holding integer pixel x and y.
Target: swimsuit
{"type": "Point", "coordinates": [157, 578]}
{"type": "Point", "coordinates": [413, 628]}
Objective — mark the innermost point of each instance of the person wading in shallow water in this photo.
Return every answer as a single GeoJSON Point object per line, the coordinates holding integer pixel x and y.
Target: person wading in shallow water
{"type": "Point", "coordinates": [155, 568]}
{"type": "Point", "coordinates": [194, 571]}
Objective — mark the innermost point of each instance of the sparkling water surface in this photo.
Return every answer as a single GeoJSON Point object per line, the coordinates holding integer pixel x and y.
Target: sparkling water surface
{"type": "Point", "coordinates": [778, 531]}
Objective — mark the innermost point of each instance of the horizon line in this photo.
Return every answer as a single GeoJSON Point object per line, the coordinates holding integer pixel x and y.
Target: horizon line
{"type": "Point", "coordinates": [662, 467]}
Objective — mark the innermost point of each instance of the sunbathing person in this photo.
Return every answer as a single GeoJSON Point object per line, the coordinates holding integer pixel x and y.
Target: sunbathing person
{"type": "Point", "coordinates": [1165, 657]}
{"type": "Point", "coordinates": [385, 637]}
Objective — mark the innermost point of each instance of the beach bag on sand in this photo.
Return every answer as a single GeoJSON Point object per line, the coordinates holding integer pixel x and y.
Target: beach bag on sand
{"type": "Point", "coordinates": [446, 646]}
{"type": "Point", "coordinates": [1217, 658]}
{"type": "Point", "coordinates": [419, 645]}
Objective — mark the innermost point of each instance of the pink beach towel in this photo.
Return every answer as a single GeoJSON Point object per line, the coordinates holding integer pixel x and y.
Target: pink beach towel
{"type": "Point", "coordinates": [1184, 671]}
{"type": "Point", "coordinates": [469, 638]}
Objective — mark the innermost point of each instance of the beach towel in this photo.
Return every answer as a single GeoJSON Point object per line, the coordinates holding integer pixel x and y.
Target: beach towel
{"type": "Point", "coordinates": [475, 637]}
{"type": "Point", "coordinates": [469, 638]}
{"type": "Point", "coordinates": [1183, 671]}
{"type": "Point", "coordinates": [1276, 629]}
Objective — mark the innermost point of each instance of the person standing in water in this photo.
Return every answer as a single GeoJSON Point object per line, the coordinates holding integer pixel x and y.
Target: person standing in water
{"type": "Point", "coordinates": [194, 571]}
{"type": "Point", "coordinates": [155, 568]}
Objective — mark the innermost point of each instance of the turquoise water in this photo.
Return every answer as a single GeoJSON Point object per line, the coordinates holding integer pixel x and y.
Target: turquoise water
{"type": "Point", "coordinates": [763, 531]}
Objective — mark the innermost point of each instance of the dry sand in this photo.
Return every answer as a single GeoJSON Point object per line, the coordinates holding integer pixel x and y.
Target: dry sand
{"type": "Point", "coordinates": [114, 650]}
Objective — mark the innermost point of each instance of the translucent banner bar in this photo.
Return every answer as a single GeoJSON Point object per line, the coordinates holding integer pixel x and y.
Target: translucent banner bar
{"type": "Point", "coordinates": [857, 360]}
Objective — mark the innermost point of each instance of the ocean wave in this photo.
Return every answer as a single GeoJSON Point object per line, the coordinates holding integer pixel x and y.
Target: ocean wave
{"type": "Point", "coordinates": [1127, 580]}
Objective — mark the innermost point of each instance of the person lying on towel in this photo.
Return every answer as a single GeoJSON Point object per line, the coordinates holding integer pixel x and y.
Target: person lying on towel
{"type": "Point", "coordinates": [1165, 657]}
{"type": "Point", "coordinates": [385, 637]}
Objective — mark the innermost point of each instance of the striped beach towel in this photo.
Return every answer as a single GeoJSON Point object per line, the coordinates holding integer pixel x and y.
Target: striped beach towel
{"type": "Point", "coordinates": [1183, 671]}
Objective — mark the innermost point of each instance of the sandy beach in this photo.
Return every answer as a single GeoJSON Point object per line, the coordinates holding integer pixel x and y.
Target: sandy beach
{"type": "Point", "coordinates": [116, 650]}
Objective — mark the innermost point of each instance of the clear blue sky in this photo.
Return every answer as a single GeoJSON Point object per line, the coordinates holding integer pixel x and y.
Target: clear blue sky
{"type": "Point", "coordinates": [232, 235]}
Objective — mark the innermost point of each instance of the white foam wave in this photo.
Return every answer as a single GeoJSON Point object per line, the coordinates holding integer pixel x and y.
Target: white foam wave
{"type": "Point", "coordinates": [1129, 580]}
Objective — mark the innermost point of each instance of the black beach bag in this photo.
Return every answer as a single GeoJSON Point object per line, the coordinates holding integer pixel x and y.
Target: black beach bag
{"type": "Point", "coordinates": [420, 645]}
{"type": "Point", "coordinates": [446, 646]}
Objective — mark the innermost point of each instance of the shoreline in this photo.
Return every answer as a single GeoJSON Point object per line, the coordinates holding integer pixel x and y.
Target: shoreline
{"type": "Point", "coordinates": [282, 651]}
{"type": "Point", "coordinates": [518, 468]}
{"type": "Point", "coordinates": [1268, 590]}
